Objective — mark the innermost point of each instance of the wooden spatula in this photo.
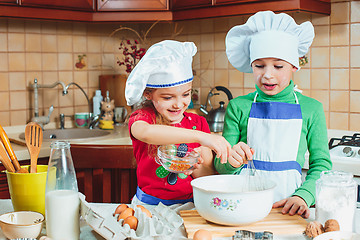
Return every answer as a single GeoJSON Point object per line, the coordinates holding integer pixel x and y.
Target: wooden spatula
{"type": "Point", "coordinates": [33, 138]}
{"type": "Point", "coordinates": [5, 159]}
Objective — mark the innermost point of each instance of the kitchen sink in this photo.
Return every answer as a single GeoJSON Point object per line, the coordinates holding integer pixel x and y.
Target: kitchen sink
{"type": "Point", "coordinates": [71, 134]}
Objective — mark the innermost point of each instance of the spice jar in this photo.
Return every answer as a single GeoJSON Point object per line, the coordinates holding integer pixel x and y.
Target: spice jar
{"type": "Point", "coordinates": [62, 202]}
{"type": "Point", "coordinates": [336, 196]}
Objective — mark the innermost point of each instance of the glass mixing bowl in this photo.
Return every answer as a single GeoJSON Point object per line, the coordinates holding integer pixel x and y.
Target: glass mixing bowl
{"type": "Point", "coordinates": [176, 158]}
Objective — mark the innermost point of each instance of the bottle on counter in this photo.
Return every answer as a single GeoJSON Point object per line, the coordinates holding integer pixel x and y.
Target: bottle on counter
{"type": "Point", "coordinates": [336, 196]}
{"type": "Point", "coordinates": [97, 103]}
{"type": "Point", "coordinates": [62, 202]}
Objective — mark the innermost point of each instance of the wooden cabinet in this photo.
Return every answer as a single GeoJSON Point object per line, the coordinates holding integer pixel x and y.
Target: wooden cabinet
{"type": "Point", "coordinates": [132, 5]}
{"type": "Point", "coordinates": [11, 2]}
{"type": "Point", "coordinates": [187, 4]}
{"type": "Point", "coordinates": [62, 4]}
{"type": "Point", "coordinates": [105, 173]}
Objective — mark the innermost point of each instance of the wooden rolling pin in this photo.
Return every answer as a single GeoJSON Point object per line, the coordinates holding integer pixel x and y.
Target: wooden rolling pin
{"type": "Point", "coordinates": [5, 159]}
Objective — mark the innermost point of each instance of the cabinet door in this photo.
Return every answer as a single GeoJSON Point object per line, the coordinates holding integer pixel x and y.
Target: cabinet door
{"type": "Point", "coordinates": [64, 4]}
{"type": "Point", "coordinates": [135, 5]}
{"type": "Point", "coordinates": [183, 4]}
{"type": "Point", "coordinates": [12, 2]}
{"type": "Point", "coordinates": [220, 2]}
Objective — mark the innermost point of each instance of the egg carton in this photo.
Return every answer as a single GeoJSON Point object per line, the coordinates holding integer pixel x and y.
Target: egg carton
{"type": "Point", "coordinates": [164, 221]}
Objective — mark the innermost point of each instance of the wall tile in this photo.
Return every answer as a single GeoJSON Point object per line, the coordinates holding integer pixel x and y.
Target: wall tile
{"type": "Point", "coordinates": [339, 101]}
{"type": "Point", "coordinates": [4, 65]}
{"type": "Point", "coordinates": [5, 101]}
{"type": "Point", "coordinates": [33, 61]}
{"type": "Point", "coordinates": [48, 43]}
{"type": "Point", "coordinates": [4, 81]}
{"type": "Point", "coordinates": [354, 56]}
{"type": "Point", "coordinates": [207, 79]}
{"type": "Point", "coordinates": [319, 57]}
{"type": "Point", "coordinates": [79, 28]}
{"type": "Point", "coordinates": [16, 42]}
{"type": "Point", "coordinates": [5, 118]}
{"type": "Point", "coordinates": [64, 43]}
{"type": "Point", "coordinates": [49, 61]}
{"type": "Point", "coordinates": [48, 27]}
{"type": "Point", "coordinates": [32, 26]}
{"type": "Point", "coordinates": [80, 99]}
{"type": "Point", "coordinates": [354, 101]}
{"type": "Point", "coordinates": [17, 81]}
{"type": "Point", "coordinates": [3, 25]}
{"type": "Point", "coordinates": [339, 13]}
{"type": "Point", "coordinates": [339, 34]}
{"type": "Point", "coordinates": [32, 42]}
{"type": "Point", "coordinates": [339, 121]}
{"type": "Point", "coordinates": [221, 24]}
{"type": "Point", "coordinates": [4, 42]}
{"type": "Point", "coordinates": [16, 61]}
{"type": "Point", "coordinates": [319, 19]}
{"type": "Point", "coordinates": [219, 43]}
{"type": "Point", "coordinates": [322, 34]}
{"type": "Point", "coordinates": [207, 42]}
{"type": "Point", "coordinates": [221, 60]}
{"type": "Point", "coordinates": [67, 100]}
{"type": "Point", "coordinates": [64, 28]}
{"type": "Point", "coordinates": [302, 78]}
{"type": "Point", "coordinates": [339, 79]}
{"type": "Point", "coordinates": [65, 61]}
{"type": "Point", "coordinates": [354, 122]}
{"type": "Point", "coordinates": [207, 25]}
{"type": "Point", "coordinates": [323, 97]}
{"type": "Point", "coordinates": [320, 79]}
{"type": "Point", "coordinates": [339, 56]}
{"type": "Point", "coordinates": [51, 97]}
{"type": "Point", "coordinates": [66, 77]}
{"type": "Point", "coordinates": [16, 25]}
{"type": "Point", "coordinates": [355, 79]}
{"type": "Point", "coordinates": [355, 34]}
{"type": "Point", "coordinates": [236, 79]}
{"type": "Point", "coordinates": [18, 118]}
{"type": "Point", "coordinates": [18, 100]}
{"type": "Point", "coordinates": [81, 78]}
{"type": "Point", "coordinates": [249, 81]}
{"type": "Point", "coordinates": [94, 44]}
{"type": "Point", "coordinates": [207, 60]}
{"type": "Point", "coordinates": [94, 79]}
{"type": "Point", "coordinates": [355, 11]}
{"type": "Point", "coordinates": [221, 78]}
{"type": "Point", "coordinates": [79, 44]}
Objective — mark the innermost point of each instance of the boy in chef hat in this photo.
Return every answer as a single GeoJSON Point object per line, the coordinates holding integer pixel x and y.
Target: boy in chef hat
{"type": "Point", "coordinates": [164, 78]}
{"type": "Point", "coordinates": [275, 125]}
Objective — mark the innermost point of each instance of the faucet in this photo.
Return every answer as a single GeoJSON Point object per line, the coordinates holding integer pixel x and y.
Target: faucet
{"type": "Point", "coordinates": [43, 120]}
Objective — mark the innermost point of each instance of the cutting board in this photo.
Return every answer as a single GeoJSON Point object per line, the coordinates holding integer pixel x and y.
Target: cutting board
{"type": "Point", "coordinates": [275, 222]}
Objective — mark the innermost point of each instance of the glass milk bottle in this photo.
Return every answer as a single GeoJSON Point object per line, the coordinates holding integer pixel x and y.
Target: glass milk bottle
{"type": "Point", "coordinates": [336, 196]}
{"type": "Point", "coordinates": [61, 196]}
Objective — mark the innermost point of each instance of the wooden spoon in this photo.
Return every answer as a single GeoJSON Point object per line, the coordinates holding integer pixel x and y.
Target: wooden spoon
{"type": "Point", "coordinates": [5, 159]}
{"type": "Point", "coordinates": [10, 151]}
{"type": "Point", "coordinates": [33, 138]}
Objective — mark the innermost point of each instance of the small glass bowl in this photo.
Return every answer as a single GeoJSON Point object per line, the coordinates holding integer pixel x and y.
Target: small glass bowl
{"type": "Point", "coordinates": [175, 159]}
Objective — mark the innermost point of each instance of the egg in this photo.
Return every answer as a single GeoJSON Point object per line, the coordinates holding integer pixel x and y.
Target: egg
{"type": "Point", "coordinates": [120, 209]}
{"type": "Point", "coordinates": [126, 213]}
{"type": "Point", "coordinates": [146, 211]}
{"type": "Point", "coordinates": [202, 234]}
{"type": "Point", "coordinates": [132, 221]}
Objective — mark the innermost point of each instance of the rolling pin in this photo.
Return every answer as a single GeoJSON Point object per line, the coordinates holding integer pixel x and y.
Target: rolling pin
{"type": "Point", "coordinates": [9, 149]}
{"type": "Point", "coordinates": [5, 159]}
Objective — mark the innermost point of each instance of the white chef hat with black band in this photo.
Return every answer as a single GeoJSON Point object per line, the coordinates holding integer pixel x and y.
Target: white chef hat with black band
{"type": "Point", "coordinates": [265, 35]}
{"type": "Point", "coordinates": [165, 64]}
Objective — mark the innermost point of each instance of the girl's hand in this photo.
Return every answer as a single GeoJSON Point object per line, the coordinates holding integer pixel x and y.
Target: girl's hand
{"type": "Point", "coordinates": [293, 205]}
{"type": "Point", "coordinates": [217, 143]}
{"type": "Point", "coordinates": [240, 154]}
{"type": "Point", "coordinates": [197, 164]}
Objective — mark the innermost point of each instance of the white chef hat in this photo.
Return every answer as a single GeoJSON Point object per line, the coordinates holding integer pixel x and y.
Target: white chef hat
{"type": "Point", "coordinates": [165, 64]}
{"type": "Point", "coordinates": [266, 34]}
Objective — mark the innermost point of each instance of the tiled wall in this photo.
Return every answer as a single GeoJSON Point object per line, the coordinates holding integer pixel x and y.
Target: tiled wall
{"type": "Point", "coordinates": [49, 50]}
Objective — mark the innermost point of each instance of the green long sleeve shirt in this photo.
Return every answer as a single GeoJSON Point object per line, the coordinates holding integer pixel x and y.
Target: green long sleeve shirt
{"type": "Point", "coordinates": [313, 135]}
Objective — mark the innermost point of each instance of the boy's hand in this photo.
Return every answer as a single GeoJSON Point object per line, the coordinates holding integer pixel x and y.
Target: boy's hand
{"type": "Point", "coordinates": [217, 143]}
{"type": "Point", "coordinates": [240, 154]}
{"type": "Point", "coordinates": [293, 205]}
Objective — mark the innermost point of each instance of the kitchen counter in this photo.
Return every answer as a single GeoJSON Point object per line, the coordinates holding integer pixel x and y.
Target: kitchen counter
{"type": "Point", "coordinates": [88, 234]}
{"type": "Point", "coordinates": [118, 136]}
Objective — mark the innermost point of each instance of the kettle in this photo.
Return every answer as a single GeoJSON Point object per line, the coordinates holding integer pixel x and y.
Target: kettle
{"type": "Point", "coordinates": [215, 117]}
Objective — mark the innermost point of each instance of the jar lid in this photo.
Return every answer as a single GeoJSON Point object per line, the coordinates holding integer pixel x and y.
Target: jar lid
{"type": "Point", "coordinates": [60, 145]}
{"type": "Point", "coordinates": [337, 178]}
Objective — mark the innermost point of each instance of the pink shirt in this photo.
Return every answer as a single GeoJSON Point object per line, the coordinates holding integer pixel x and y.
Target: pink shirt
{"type": "Point", "coordinates": [150, 175]}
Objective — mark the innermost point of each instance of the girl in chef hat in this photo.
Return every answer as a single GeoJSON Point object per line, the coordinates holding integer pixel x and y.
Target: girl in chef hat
{"type": "Point", "coordinates": [164, 78]}
{"type": "Point", "coordinates": [276, 121]}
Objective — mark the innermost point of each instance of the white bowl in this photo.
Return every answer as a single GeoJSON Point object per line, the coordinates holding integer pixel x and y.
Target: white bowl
{"type": "Point", "coordinates": [21, 224]}
{"type": "Point", "coordinates": [338, 235]}
{"type": "Point", "coordinates": [221, 199]}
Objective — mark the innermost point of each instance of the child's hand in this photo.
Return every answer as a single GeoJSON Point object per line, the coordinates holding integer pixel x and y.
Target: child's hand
{"type": "Point", "coordinates": [240, 154]}
{"type": "Point", "coordinates": [197, 164]}
{"type": "Point", "coordinates": [293, 205]}
{"type": "Point", "coordinates": [217, 143]}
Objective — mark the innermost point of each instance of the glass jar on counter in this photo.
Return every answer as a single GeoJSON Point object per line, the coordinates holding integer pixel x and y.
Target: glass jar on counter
{"type": "Point", "coordinates": [336, 196]}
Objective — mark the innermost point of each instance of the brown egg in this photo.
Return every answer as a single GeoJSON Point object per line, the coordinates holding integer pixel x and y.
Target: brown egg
{"type": "Point", "coordinates": [202, 234]}
{"type": "Point", "coordinates": [120, 209]}
{"type": "Point", "coordinates": [146, 211]}
{"type": "Point", "coordinates": [126, 213]}
{"type": "Point", "coordinates": [132, 221]}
